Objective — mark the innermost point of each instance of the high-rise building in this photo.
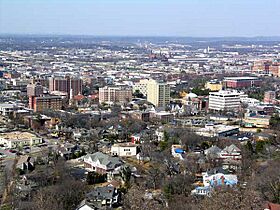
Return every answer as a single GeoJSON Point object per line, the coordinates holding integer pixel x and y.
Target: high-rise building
{"type": "Point", "coordinates": [72, 86]}
{"type": "Point", "coordinates": [116, 94]}
{"type": "Point", "coordinates": [34, 90]}
{"type": "Point", "coordinates": [141, 86]}
{"type": "Point", "coordinates": [225, 100]}
{"type": "Point", "coordinates": [41, 103]}
{"type": "Point", "coordinates": [158, 93]}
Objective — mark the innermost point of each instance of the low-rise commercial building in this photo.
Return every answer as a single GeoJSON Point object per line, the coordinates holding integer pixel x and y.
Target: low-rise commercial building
{"type": "Point", "coordinates": [214, 85]}
{"type": "Point", "coordinates": [211, 130]}
{"type": "Point", "coordinates": [242, 82]}
{"type": "Point", "coordinates": [17, 138]}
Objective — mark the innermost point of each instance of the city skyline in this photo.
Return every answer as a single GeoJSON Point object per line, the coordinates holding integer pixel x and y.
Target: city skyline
{"type": "Point", "coordinates": [214, 18]}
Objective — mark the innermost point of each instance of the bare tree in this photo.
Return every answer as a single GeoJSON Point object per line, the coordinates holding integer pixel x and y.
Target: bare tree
{"type": "Point", "coordinates": [232, 198]}
{"type": "Point", "coordinates": [137, 198]}
{"type": "Point", "coordinates": [267, 180]}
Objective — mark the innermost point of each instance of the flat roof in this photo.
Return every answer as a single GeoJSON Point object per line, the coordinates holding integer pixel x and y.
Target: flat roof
{"type": "Point", "coordinates": [17, 135]}
{"type": "Point", "coordinates": [226, 93]}
{"type": "Point", "coordinates": [241, 78]}
{"type": "Point", "coordinates": [127, 144]}
{"type": "Point", "coordinates": [8, 105]}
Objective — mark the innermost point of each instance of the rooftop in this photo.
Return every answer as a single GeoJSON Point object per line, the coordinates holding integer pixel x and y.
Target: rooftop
{"type": "Point", "coordinates": [241, 78]}
{"type": "Point", "coordinates": [17, 135]}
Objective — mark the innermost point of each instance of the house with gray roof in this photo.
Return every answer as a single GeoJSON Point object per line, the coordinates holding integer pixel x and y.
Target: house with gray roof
{"type": "Point", "coordinates": [231, 152]}
{"type": "Point", "coordinates": [102, 163]}
{"type": "Point", "coordinates": [101, 198]}
{"type": "Point", "coordinates": [212, 152]}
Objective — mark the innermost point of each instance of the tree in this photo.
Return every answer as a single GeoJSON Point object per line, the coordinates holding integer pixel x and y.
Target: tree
{"type": "Point", "coordinates": [155, 177]}
{"type": "Point", "coordinates": [126, 175]}
{"type": "Point", "coordinates": [136, 199]}
{"type": "Point", "coordinates": [138, 94]}
{"type": "Point", "coordinates": [66, 195]}
{"type": "Point", "coordinates": [275, 122]}
{"type": "Point", "coordinates": [267, 180]}
{"type": "Point", "coordinates": [232, 198]}
{"type": "Point", "coordinates": [180, 184]}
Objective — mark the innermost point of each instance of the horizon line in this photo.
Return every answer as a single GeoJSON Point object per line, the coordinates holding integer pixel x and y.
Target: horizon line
{"type": "Point", "coordinates": [137, 36]}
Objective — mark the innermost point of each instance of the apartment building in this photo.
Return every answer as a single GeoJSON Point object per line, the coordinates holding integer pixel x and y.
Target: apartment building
{"type": "Point", "coordinates": [34, 90]}
{"type": "Point", "coordinates": [72, 86]}
{"type": "Point", "coordinates": [141, 86]}
{"type": "Point", "coordinates": [115, 94]}
{"type": "Point", "coordinates": [39, 104]}
{"type": "Point", "coordinates": [158, 93]}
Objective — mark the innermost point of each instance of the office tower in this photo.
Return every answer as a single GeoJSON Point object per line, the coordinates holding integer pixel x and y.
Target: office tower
{"type": "Point", "coordinates": [224, 100]}
{"type": "Point", "coordinates": [115, 94]}
{"type": "Point", "coordinates": [158, 93]}
{"type": "Point", "coordinates": [72, 86]}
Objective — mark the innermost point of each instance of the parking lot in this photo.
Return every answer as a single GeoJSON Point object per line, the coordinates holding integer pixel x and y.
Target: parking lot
{"type": "Point", "coordinates": [7, 153]}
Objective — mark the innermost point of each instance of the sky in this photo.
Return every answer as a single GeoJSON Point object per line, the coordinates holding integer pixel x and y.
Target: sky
{"type": "Point", "coordinates": [196, 18]}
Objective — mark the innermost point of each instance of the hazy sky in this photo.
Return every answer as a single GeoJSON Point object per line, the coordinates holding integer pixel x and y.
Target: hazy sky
{"type": "Point", "coordinates": [142, 17]}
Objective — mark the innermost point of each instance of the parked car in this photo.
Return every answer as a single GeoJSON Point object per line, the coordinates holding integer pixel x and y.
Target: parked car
{"type": "Point", "coordinates": [2, 155]}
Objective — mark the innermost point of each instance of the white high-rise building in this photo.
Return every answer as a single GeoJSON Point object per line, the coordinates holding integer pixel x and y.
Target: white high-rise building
{"type": "Point", "coordinates": [225, 100]}
{"type": "Point", "coordinates": [157, 92]}
{"type": "Point", "coordinates": [141, 86]}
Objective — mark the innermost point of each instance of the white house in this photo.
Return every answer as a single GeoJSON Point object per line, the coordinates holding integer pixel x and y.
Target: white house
{"type": "Point", "coordinates": [124, 149]}
{"type": "Point", "coordinates": [177, 151]}
{"type": "Point", "coordinates": [159, 133]}
{"type": "Point", "coordinates": [102, 163]}
{"type": "Point", "coordinates": [231, 152]}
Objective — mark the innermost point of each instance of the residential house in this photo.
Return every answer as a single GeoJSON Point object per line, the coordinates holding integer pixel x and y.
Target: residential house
{"type": "Point", "coordinates": [102, 163]}
{"type": "Point", "coordinates": [177, 151]}
{"type": "Point", "coordinates": [202, 191]}
{"type": "Point", "coordinates": [136, 138]}
{"type": "Point", "coordinates": [124, 149]}
{"type": "Point", "coordinates": [212, 152]}
{"type": "Point", "coordinates": [159, 134]}
{"type": "Point", "coordinates": [231, 152]}
{"type": "Point", "coordinates": [101, 198]}
{"type": "Point", "coordinates": [86, 205]}
{"type": "Point", "coordinates": [213, 178]}
{"type": "Point", "coordinates": [67, 150]}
